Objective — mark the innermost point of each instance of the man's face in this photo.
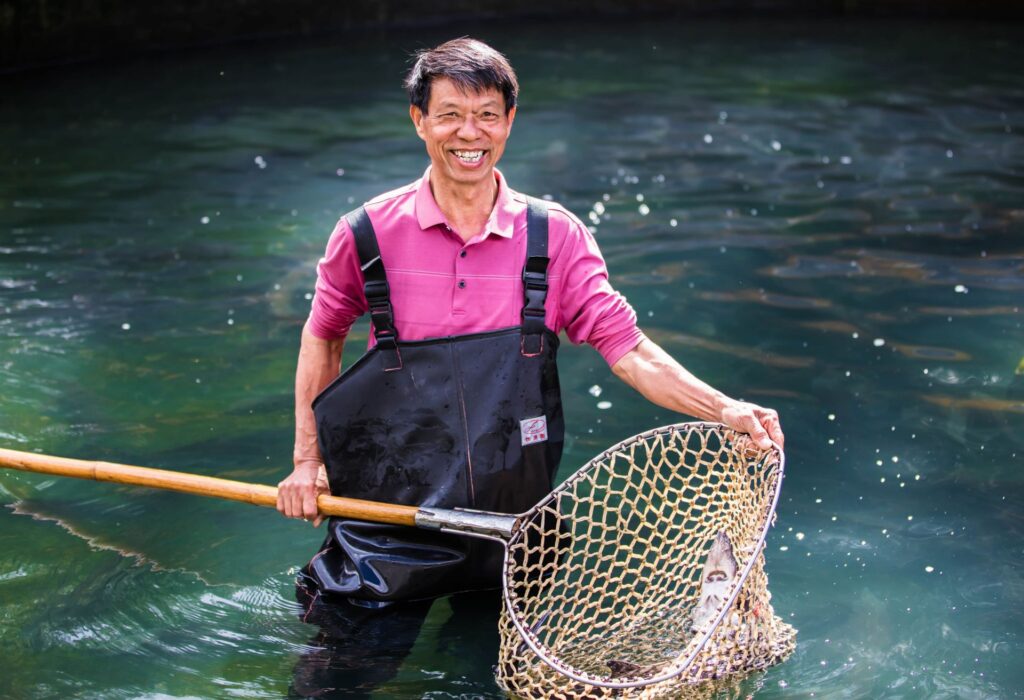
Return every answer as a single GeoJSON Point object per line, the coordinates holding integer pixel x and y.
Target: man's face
{"type": "Point", "coordinates": [465, 132]}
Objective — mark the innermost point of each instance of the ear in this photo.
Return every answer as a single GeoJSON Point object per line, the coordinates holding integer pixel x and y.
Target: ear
{"type": "Point", "coordinates": [511, 117]}
{"type": "Point", "coordinates": [417, 116]}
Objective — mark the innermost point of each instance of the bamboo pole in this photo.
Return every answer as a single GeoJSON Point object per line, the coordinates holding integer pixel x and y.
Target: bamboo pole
{"type": "Point", "coordinates": [257, 494]}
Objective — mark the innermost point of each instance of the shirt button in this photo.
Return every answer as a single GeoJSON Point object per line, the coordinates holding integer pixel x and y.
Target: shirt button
{"type": "Point", "coordinates": [462, 254]}
{"type": "Point", "coordinates": [462, 284]}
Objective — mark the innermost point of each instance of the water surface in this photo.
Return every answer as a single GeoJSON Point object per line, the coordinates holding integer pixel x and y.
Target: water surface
{"type": "Point", "coordinates": [824, 218]}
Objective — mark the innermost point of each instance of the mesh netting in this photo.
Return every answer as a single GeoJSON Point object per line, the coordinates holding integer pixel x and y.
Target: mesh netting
{"type": "Point", "coordinates": [602, 577]}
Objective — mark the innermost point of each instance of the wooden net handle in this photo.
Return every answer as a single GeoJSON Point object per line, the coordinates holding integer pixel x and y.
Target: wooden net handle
{"type": "Point", "coordinates": [258, 494]}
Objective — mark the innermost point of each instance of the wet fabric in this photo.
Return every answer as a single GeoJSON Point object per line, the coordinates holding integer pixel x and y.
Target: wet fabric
{"type": "Point", "coordinates": [472, 421]}
{"type": "Point", "coordinates": [356, 651]}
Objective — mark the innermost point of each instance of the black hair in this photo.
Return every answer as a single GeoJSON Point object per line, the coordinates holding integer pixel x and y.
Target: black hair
{"type": "Point", "coordinates": [471, 64]}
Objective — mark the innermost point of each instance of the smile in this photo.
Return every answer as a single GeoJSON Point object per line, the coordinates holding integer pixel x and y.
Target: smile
{"type": "Point", "coordinates": [469, 156]}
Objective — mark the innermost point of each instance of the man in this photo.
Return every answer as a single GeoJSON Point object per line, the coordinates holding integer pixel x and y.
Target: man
{"type": "Point", "coordinates": [473, 417]}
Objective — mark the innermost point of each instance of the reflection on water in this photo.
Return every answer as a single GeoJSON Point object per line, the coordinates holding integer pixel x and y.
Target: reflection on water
{"type": "Point", "coordinates": [823, 218]}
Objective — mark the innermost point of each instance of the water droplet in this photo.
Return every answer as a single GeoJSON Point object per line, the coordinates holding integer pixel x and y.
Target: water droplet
{"type": "Point", "coordinates": [339, 172]}
{"type": "Point", "coordinates": [599, 208]}
{"type": "Point", "coordinates": [960, 289]}
{"type": "Point", "coordinates": [783, 548]}
{"type": "Point", "coordinates": [708, 138]}
{"type": "Point", "coordinates": [594, 391]}
{"type": "Point", "coordinates": [949, 153]}
{"type": "Point", "coordinates": [258, 160]}
{"type": "Point", "coordinates": [673, 223]}
{"type": "Point", "coordinates": [929, 569]}
{"type": "Point", "coordinates": [231, 321]}
{"type": "Point", "coordinates": [831, 416]}
{"type": "Point", "coordinates": [878, 342]}
{"type": "Point", "coordinates": [800, 535]}
{"type": "Point", "coordinates": [308, 295]}
{"type": "Point", "coordinates": [855, 335]}
{"type": "Point", "coordinates": [644, 210]}
{"type": "Point", "coordinates": [126, 326]}
{"type": "Point", "coordinates": [204, 220]}
{"type": "Point", "coordinates": [604, 405]}
{"type": "Point", "coordinates": [639, 198]}
{"type": "Point", "coordinates": [910, 517]}
{"type": "Point", "coordinates": [776, 146]}
{"type": "Point", "coordinates": [845, 160]}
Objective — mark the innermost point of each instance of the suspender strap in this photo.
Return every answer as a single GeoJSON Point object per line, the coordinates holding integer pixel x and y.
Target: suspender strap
{"type": "Point", "coordinates": [535, 277]}
{"type": "Point", "coordinates": [375, 287]}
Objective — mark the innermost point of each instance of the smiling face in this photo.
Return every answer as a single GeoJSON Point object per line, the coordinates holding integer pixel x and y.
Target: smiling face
{"type": "Point", "coordinates": [465, 133]}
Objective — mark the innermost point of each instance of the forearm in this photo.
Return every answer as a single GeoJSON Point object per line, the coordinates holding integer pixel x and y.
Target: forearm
{"type": "Point", "coordinates": [319, 362]}
{"type": "Point", "coordinates": [663, 381]}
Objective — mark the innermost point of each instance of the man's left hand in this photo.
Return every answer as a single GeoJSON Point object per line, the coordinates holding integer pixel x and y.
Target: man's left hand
{"type": "Point", "coordinates": [761, 424]}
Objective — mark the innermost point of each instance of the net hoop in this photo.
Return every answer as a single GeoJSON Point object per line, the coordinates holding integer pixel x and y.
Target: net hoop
{"type": "Point", "coordinates": [675, 668]}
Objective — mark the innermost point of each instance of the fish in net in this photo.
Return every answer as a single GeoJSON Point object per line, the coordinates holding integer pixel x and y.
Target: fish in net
{"type": "Point", "coordinates": [642, 575]}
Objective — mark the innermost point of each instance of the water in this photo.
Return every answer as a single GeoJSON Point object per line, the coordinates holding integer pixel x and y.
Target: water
{"type": "Point", "coordinates": [830, 224]}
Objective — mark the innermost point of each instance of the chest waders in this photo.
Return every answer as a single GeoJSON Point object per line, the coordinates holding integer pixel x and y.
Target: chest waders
{"type": "Point", "coordinates": [470, 421]}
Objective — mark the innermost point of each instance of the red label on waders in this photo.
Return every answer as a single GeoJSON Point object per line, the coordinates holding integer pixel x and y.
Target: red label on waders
{"type": "Point", "coordinates": [534, 430]}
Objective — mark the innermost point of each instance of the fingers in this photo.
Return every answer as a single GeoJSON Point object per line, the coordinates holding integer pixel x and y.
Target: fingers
{"type": "Point", "coordinates": [771, 423]}
{"type": "Point", "coordinates": [308, 500]}
{"type": "Point", "coordinates": [297, 495]}
{"type": "Point", "coordinates": [761, 424]}
{"type": "Point", "coordinates": [758, 433]}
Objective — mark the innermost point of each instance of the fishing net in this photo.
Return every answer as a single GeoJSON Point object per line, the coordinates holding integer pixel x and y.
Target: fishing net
{"type": "Point", "coordinates": [602, 577]}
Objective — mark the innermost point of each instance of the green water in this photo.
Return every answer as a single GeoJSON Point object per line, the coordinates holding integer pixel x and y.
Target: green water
{"type": "Point", "coordinates": [831, 223]}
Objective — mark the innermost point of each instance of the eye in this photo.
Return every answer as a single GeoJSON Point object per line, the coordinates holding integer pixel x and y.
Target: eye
{"type": "Point", "coordinates": [488, 117]}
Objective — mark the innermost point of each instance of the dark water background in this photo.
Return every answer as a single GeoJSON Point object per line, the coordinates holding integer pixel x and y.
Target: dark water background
{"type": "Point", "coordinates": [826, 218]}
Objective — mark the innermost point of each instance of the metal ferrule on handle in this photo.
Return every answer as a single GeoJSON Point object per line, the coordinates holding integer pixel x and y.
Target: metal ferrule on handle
{"type": "Point", "coordinates": [491, 526]}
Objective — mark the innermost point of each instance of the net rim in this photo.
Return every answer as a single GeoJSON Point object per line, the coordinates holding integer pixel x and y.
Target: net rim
{"type": "Point", "coordinates": [553, 661]}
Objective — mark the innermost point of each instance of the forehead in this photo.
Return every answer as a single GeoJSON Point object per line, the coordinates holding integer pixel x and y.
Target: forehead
{"type": "Point", "coordinates": [443, 92]}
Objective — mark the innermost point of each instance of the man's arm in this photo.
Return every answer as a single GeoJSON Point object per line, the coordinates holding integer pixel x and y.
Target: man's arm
{"type": "Point", "coordinates": [652, 371]}
{"type": "Point", "coordinates": [319, 361]}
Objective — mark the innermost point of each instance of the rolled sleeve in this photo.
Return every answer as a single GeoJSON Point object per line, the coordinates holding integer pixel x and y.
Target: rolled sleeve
{"type": "Point", "coordinates": [339, 298]}
{"type": "Point", "coordinates": [590, 310]}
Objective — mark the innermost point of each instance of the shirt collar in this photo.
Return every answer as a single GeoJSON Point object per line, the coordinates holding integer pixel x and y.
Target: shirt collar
{"type": "Point", "coordinates": [501, 221]}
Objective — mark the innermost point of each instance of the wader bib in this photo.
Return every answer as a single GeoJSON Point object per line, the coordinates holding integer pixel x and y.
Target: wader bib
{"type": "Point", "coordinates": [470, 421]}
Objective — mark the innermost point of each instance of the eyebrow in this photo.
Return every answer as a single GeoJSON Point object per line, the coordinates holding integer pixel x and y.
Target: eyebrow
{"type": "Point", "coordinates": [448, 104]}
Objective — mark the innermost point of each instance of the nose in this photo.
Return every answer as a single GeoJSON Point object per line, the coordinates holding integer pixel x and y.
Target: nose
{"type": "Point", "coordinates": [468, 129]}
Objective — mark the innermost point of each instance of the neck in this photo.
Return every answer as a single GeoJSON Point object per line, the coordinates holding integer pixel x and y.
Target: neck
{"type": "Point", "coordinates": [466, 206]}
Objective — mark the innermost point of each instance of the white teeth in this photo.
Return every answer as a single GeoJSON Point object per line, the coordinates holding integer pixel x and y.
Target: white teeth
{"type": "Point", "coordinates": [469, 156]}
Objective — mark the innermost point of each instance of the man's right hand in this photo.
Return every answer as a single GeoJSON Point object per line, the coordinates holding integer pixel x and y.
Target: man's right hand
{"type": "Point", "coordinates": [296, 495]}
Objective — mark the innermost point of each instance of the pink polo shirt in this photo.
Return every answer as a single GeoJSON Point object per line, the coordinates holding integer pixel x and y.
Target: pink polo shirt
{"type": "Point", "coordinates": [441, 286]}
